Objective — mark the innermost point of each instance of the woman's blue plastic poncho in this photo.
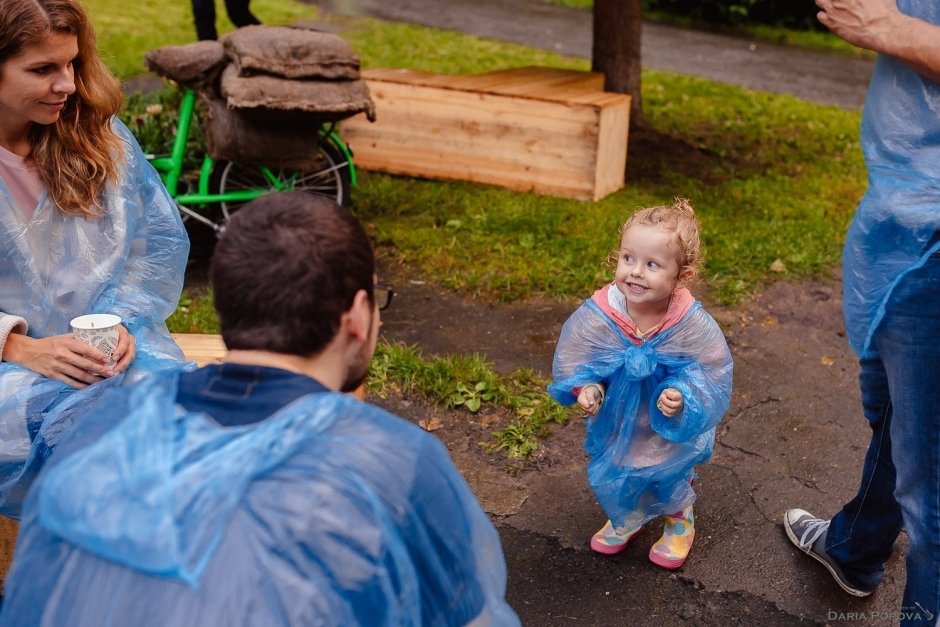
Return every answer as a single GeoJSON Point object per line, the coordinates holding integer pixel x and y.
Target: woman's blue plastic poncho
{"type": "Point", "coordinates": [641, 462]}
{"type": "Point", "coordinates": [897, 225]}
{"type": "Point", "coordinates": [54, 267]}
{"type": "Point", "coordinates": [329, 512]}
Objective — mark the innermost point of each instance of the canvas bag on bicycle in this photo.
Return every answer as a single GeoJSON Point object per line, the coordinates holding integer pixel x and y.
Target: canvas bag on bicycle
{"type": "Point", "coordinates": [265, 90]}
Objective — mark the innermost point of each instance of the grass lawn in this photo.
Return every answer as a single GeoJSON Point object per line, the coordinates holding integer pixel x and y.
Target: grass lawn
{"type": "Point", "coordinates": [774, 189]}
{"type": "Point", "coordinates": [775, 182]}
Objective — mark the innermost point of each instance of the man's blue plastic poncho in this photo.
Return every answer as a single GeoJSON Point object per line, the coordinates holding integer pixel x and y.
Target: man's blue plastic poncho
{"type": "Point", "coordinates": [329, 512]}
{"type": "Point", "coordinates": [53, 267]}
{"type": "Point", "coordinates": [897, 225]}
{"type": "Point", "coordinates": [641, 462]}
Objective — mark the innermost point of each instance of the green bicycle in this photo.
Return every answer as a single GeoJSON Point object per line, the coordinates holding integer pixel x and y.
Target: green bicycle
{"type": "Point", "coordinates": [223, 186]}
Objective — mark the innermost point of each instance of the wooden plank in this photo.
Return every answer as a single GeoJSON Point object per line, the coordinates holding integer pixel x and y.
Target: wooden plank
{"type": "Point", "coordinates": [552, 84]}
{"type": "Point", "coordinates": [462, 153]}
{"type": "Point", "coordinates": [497, 133]}
{"type": "Point", "coordinates": [202, 348]}
{"type": "Point", "coordinates": [546, 83]}
{"type": "Point", "coordinates": [206, 348]}
{"type": "Point", "coordinates": [404, 160]}
{"type": "Point", "coordinates": [202, 343]}
{"type": "Point", "coordinates": [427, 108]}
{"type": "Point", "coordinates": [8, 531]}
{"type": "Point", "coordinates": [611, 148]}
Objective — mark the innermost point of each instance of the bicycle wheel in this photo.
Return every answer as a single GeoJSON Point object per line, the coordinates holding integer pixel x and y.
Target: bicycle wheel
{"type": "Point", "coordinates": [330, 180]}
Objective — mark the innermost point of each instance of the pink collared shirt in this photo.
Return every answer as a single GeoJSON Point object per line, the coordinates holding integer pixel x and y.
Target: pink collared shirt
{"type": "Point", "coordinates": [613, 303]}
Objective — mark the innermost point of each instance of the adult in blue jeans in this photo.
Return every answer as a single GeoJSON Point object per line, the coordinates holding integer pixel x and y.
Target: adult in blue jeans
{"type": "Point", "coordinates": [891, 264]}
{"type": "Point", "coordinates": [204, 16]}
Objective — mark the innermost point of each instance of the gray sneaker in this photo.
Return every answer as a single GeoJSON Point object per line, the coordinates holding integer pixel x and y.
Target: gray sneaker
{"type": "Point", "coordinates": [808, 533]}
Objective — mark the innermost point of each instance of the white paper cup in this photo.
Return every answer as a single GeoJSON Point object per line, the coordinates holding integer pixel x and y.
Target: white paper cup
{"type": "Point", "coordinates": [98, 330]}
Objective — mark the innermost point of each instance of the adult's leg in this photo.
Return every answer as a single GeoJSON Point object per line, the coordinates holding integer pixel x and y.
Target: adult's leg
{"type": "Point", "coordinates": [239, 13]}
{"type": "Point", "coordinates": [204, 18]}
{"type": "Point", "coordinates": [861, 536]}
{"type": "Point", "coordinates": [910, 345]}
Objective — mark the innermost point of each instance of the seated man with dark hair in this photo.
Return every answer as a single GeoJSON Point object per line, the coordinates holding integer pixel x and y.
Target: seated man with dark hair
{"type": "Point", "coordinates": [253, 492]}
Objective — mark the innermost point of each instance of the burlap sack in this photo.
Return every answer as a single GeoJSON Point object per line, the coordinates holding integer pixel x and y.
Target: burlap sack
{"type": "Point", "coordinates": [276, 138]}
{"type": "Point", "coordinates": [290, 53]}
{"type": "Point", "coordinates": [329, 100]}
{"type": "Point", "coordinates": [193, 65]}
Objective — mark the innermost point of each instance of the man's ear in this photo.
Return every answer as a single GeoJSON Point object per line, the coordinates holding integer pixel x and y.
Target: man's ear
{"type": "Point", "coordinates": [358, 319]}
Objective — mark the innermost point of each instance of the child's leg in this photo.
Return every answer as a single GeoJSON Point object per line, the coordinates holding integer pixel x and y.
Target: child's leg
{"type": "Point", "coordinates": [610, 541]}
{"type": "Point", "coordinates": [671, 550]}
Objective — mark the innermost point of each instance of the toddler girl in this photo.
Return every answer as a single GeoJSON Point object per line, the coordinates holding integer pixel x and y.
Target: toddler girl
{"type": "Point", "coordinates": [653, 372]}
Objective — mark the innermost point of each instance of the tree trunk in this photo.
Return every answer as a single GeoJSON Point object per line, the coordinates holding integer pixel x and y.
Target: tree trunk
{"type": "Point", "coordinates": [616, 49]}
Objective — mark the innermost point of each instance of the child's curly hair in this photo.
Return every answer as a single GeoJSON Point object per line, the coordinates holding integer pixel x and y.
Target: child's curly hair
{"type": "Point", "coordinates": [678, 217]}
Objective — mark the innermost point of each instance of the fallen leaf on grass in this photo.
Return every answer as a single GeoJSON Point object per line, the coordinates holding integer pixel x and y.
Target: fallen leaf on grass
{"type": "Point", "coordinates": [778, 266]}
{"type": "Point", "coordinates": [488, 421]}
{"type": "Point", "coordinates": [827, 361]}
{"type": "Point", "coordinates": [431, 424]}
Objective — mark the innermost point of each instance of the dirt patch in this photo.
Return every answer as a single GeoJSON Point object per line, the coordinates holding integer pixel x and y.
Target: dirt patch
{"type": "Point", "coordinates": [797, 327]}
{"type": "Point", "coordinates": [664, 155]}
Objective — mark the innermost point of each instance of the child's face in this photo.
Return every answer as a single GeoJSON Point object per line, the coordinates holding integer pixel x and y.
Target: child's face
{"type": "Point", "coordinates": [648, 266]}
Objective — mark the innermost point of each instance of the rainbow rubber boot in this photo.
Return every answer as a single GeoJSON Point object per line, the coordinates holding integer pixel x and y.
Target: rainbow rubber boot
{"type": "Point", "coordinates": [671, 550]}
{"type": "Point", "coordinates": [610, 541]}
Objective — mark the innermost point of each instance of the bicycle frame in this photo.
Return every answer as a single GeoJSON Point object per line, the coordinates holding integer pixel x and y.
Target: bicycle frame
{"type": "Point", "coordinates": [170, 168]}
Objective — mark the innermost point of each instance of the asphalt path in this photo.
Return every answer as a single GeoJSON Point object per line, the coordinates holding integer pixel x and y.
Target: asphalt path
{"type": "Point", "coordinates": [812, 75]}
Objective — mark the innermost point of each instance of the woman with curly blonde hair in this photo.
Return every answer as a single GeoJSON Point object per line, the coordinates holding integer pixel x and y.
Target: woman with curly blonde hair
{"type": "Point", "coordinates": [86, 226]}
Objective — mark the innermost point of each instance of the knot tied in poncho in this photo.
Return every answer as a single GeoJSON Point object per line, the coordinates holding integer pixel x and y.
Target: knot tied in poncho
{"type": "Point", "coordinates": [641, 461]}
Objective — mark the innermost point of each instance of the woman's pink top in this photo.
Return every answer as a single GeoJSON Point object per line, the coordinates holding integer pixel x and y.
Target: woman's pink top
{"type": "Point", "coordinates": [22, 179]}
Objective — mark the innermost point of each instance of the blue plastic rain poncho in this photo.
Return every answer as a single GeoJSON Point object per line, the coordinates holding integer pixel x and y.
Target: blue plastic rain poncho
{"type": "Point", "coordinates": [641, 462]}
{"type": "Point", "coordinates": [53, 267]}
{"type": "Point", "coordinates": [328, 512]}
{"type": "Point", "coordinates": [897, 225]}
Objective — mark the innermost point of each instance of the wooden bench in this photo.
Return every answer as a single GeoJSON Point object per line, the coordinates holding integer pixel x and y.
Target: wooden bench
{"type": "Point", "coordinates": [205, 349]}
{"type": "Point", "coordinates": [538, 129]}
{"type": "Point", "coordinates": [202, 348]}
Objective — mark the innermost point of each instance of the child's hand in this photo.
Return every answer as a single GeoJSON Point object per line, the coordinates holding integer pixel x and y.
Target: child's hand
{"type": "Point", "coordinates": [590, 398]}
{"type": "Point", "coordinates": [670, 402]}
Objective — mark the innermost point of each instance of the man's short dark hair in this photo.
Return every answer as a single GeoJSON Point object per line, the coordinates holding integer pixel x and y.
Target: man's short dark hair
{"type": "Point", "coordinates": [287, 267]}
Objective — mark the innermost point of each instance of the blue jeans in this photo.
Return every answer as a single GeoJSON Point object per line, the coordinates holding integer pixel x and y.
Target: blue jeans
{"type": "Point", "coordinates": [900, 485]}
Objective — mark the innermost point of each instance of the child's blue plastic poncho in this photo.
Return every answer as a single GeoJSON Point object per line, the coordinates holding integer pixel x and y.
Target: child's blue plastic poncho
{"type": "Point", "coordinates": [329, 512]}
{"type": "Point", "coordinates": [641, 462]}
{"type": "Point", "coordinates": [897, 225]}
{"type": "Point", "coordinates": [54, 267]}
